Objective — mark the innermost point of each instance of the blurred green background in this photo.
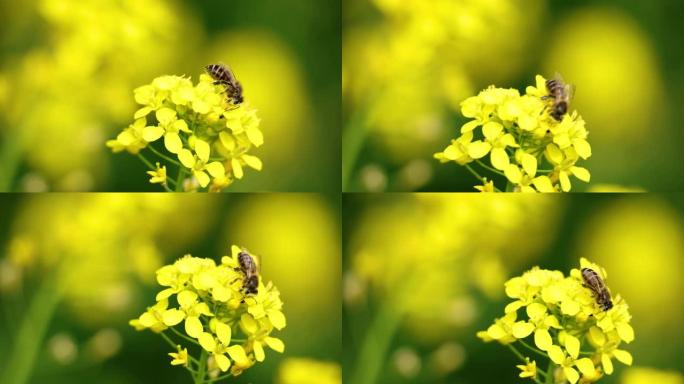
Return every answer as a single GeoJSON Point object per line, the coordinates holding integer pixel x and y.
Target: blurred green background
{"type": "Point", "coordinates": [407, 65]}
{"type": "Point", "coordinates": [75, 268]}
{"type": "Point", "coordinates": [68, 69]}
{"type": "Point", "coordinates": [458, 250]}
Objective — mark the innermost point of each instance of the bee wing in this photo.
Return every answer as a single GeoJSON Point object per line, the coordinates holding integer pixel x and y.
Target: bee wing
{"type": "Point", "coordinates": [570, 89]}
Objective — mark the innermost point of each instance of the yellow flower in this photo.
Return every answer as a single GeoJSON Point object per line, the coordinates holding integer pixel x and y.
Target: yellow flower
{"type": "Point", "coordinates": [508, 120]}
{"type": "Point", "coordinates": [214, 307]}
{"type": "Point", "coordinates": [158, 176]}
{"type": "Point", "coordinates": [488, 186]}
{"type": "Point", "coordinates": [463, 150]}
{"type": "Point", "coordinates": [205, 131]}
{"type": "Point", "coordinates": [564, 166]}
{"type": "Point", "coordinates": [198, 163]}
{"type": "Point", "coordinates": [169, 127]}
{"type": "Point", "coordinates": [528, 370]}
{"type": "Point", "coordinates": [180, 357]}
{"type": "Point", "coordinates": [565, 319]}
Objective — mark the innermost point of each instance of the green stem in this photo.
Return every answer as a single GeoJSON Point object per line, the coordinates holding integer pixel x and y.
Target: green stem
{"type": "Point", "coordinates": [179, 179]}
{"type": "Point", "coordinates": [11, 152]}
{"type": "Point", "coordinates": [219, 378]}
{"type": "Point", "coordinates": [32, 331]}
{"type": "Point", "coordinates": [477, 175]}
{"type": "Point", "coordinates": [202, 369]}
{"type": "Point", "coordinates": [549, 373]}
{"type": "Point", "coordinates": [183, 336]}
{"type": "Point", "coordinates": [376, 344]}
{"type": "Point", "coordinates": [533, 349]}
{"type": "Point", "coordinates": [353, 137]}
{"type": "Point", "coordinates": [163, 156]}
{"type": "Point", "coordinates": [524, 360]}
{"type": "Point", "coordinates": [482, 164]}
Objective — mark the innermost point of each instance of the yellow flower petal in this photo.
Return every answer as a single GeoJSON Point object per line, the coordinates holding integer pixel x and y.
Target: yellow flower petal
{"type": "Point", "coordinates": [586, 366]}
{"type": "Point", "coordinates": [255, 136]}
{"type": "Point", "coordinates": [207, 341]}
{"type": "Point", "coordinates": [478, 149]}
{"type": "Point", "coordinates": [542, 339]}
{"type": "Point", "coordinates": [572, 345]}
{"type": "Point", "coordinates": [607, 364]}
{"type": "Point", "coordinates": [570, 307]}
{"type": "Point", "coordinates": [529, 164]}
{"type": "Point", "coordinates": [202, 150]}
{"type": "Point", "coordinates": [513, 174]}
{"type": "Point", "coordinates": [172, 142]}
{"type": "Point", "coordinates": [556, 354]}
{"type": "Point", "coordinates": [469, 126]}
{"type": "Point", "coordinates": [259, 354]}
{"type": "Point", "coordinates": [571, 374]}
{"type": "Point", "coordinates": [596, 336]}
{"type": "Point", "coordinates": [623, 356]}
{"type": "Point", "coordinates": [223, 332]}
{"type": "Point", "coordinates": [582, 148]}
{"type": "Point", "coordinates": [237, 168]}
{"type": "Point", "coordinates": [275, 344]}
{"type": "Point", "coordinates": [193, 326]}
{"type": "Point", "coordinates": [152, 133]}
{"type": "Point", "coordinates": [625, 331]}
{"type": "Point", "coordinates": [187, 298]}
{"type": "Point", "coordinates": [173, 317]}
{"type": "Point", "coordinates": [165, 115]}
{"type": "Point", "coordinates": [492, 130]}
{"type": "Point", "coordinates": [522, 329]}
{"type": "Point", "coordinates": [186, 158]}
{"type": "Point", "coordinates": [202, 178]}
{"type": "Point", "coordinates": [215, 169]}
{"type": "Point", "coordinates": [536, 310]}
{"type": "Point", "coordinates": [277, 318]}
{"type": "Point", "coordinates": [496, 332]}
{"type": "Point", "coordinates": [252, 161]}
{"type": "Point", "coordinates": [222, 361]}
{"type": "Point", "coordinates": [237, 353]}
{"type": "Point", "coordinates": [499, 159]}
{"type": "Point", "coordinates": [581, 173]}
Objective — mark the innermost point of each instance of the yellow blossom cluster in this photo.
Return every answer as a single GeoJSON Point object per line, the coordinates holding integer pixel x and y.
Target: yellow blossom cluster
{"type": "Point", "coordinates": [228, 326]}
{"type": "Point", "coordinates": [207, 136]}
{"type": "Point", "coordinates": [526, 145]}
{"type": "Point", "coordinates": [566, 324]}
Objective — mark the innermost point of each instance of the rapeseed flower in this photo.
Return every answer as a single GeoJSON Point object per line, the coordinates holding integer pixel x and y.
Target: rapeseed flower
{"type": "Point", "coordinates": [526, 145]}
{"type": "Point", "coordinates": [207, 136]}
{"type": "Point", "coordinates": [570, 328]}
{"type": "Point", "coordinates": [228, 327]}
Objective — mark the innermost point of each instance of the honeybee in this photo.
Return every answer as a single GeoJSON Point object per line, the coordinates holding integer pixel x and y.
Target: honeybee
{"type": "Point", "coordinates": [249, 268]}
{"type": "Point", "coordinates": [598, 288]}
{"type": "Point", "coordinates": [561, 93]}
{"type": "Point", "coordinates": [223, 75]}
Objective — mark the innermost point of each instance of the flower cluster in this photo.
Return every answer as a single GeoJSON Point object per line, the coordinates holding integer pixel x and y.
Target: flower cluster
{"type": "Point", "coordinates": [229, 327]}
{"type": "Point", "coordinates": [566, 324]}
{"type": "Point", "coordinates": [525, 144]}
{"type": "Point", "coordinates": [207, 137]}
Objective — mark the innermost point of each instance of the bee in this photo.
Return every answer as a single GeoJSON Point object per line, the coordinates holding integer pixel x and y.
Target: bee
{"type": "Point", "coordinates": [561, 94]}
{"type": "Point", "coordinates": [223, 75]}
{"type": "Point", "coordinates": [249, 268]}
{"type": "Point", "coordinates": [598, 288]}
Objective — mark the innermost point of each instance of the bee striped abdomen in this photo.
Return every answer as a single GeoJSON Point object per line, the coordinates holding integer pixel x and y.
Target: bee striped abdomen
{"type": "Point", "coordinates": [223, 75]}
{"type": "Point", "coordinates": [594, 282]}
